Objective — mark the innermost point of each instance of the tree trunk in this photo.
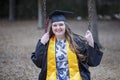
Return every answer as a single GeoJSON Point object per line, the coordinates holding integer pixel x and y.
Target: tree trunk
{"type": "Point", "coordinates": [11, 10]}
{"type": "Point", "coordinates": [93, 20]}
{"type": "Point", "coordinates": [40, 14]}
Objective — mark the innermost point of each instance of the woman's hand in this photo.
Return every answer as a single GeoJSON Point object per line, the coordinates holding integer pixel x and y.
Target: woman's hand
{"type": "Point", "coordinates": [45, 38]}
{"type": "Point", "coordinates": [89, 38]}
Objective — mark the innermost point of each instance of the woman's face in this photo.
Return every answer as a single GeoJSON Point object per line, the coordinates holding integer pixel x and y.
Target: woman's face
{"type": "Point", "coordinates": [58, 28]}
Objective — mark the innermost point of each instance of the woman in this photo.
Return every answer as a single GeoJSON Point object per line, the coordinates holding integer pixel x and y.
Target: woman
{"type": "Point", "coordinates": [63, 55]}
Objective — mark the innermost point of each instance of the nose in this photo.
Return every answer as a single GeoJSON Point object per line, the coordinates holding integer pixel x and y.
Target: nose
{"type": "Point", "coordinates": [58, 26]}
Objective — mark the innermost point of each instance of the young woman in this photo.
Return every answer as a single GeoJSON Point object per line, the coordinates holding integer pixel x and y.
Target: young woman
{"type": "Point", "coordinates": [64, 55]}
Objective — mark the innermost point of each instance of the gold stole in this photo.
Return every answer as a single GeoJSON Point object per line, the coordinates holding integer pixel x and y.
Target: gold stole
{"type": "Point", "coordinates": [51, 62]}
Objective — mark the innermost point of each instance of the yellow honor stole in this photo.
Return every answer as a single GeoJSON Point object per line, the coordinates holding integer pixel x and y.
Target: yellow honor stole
{"type": "Point", "coordinates": [51, 62]}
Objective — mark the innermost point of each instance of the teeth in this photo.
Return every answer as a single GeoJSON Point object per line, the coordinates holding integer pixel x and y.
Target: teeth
{"type": "Point", "coordinates": [59, 31]}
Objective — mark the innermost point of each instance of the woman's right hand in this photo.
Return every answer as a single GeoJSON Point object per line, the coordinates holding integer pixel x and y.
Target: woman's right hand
{"type": "Point", "coordinates": [45, 38]}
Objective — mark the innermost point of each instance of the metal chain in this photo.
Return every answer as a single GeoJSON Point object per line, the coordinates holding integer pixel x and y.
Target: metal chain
{"type": "Point", "coordinates": [46, 19]}
{"type": "Point", "coordinates": [89, 15]}
{"type": "Point", "coordinates": [44, 9]}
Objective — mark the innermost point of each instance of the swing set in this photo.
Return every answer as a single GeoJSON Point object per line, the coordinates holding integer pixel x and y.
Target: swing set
{"type": "Point", "coordinates": [46, 20]}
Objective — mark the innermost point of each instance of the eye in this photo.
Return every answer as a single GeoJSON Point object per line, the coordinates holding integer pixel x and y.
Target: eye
{"type": "Point", "coordinates": [54, 25]}
{"type": "Point", "coordinates": [61, 24]}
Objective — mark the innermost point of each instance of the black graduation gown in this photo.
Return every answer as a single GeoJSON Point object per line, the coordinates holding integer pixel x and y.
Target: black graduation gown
{"type": "Point", "coordinates": [94, 56]}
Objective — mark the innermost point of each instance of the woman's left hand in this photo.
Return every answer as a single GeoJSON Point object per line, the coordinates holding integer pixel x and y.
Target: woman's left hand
{"type": "Point", "coordinates": [89, 38]}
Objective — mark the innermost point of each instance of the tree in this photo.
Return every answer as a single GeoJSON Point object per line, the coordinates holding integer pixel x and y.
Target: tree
{"type": "Point", "coordinates": [11, 10]}
{"type": "Point", "coordinates": [93, 20]}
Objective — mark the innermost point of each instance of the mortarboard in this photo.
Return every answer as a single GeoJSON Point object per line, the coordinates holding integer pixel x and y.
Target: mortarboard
{"type": "Point", "coordinates": [59, 15]}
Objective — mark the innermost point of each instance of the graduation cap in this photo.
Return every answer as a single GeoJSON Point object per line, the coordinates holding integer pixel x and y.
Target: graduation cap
{"type": "Point", "coordinates": [59, 15]}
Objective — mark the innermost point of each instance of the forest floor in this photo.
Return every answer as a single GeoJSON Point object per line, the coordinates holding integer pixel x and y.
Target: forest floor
{"type": "Point", "coordinates": [18, 40]}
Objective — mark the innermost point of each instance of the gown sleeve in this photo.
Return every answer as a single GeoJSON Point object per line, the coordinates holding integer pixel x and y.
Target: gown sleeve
{"type": "Point", "coordinates": [94, 55]}
{"type": "Point", "coordinates": [37, 55]}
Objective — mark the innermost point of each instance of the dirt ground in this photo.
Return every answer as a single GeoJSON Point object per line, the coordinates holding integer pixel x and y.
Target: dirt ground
{"type": "Point", "coordinates": [18, 41]}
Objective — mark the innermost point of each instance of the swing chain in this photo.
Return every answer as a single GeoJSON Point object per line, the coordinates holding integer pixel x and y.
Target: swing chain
{"type": "Point", "coordinates": [44, 8]}
{"type": "Point", "coordinates": [44, 11]}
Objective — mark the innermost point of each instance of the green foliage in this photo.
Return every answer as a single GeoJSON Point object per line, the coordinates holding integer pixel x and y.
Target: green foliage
{"type": "Point", "coordinates": [4, 9]}
{"type": "Point", "coordinates": [109, 8]}
{"type": "Point", "coordinates": [79, 7]}
{"type": "Point", "coordinates": [28, 9]}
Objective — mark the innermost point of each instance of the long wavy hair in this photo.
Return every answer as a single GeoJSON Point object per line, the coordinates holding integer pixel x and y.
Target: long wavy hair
{"type": "Point", "coordinates": [72, 44]}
